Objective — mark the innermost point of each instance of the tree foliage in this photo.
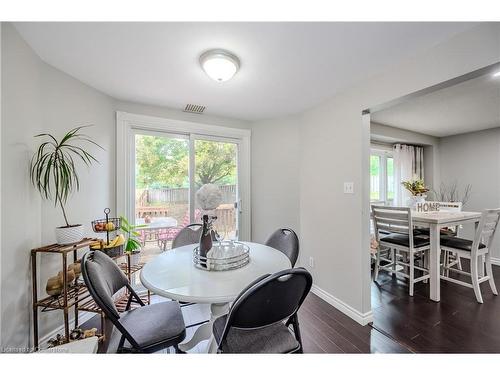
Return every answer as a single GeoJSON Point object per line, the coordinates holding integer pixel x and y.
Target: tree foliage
{"type": "Point", "coordinates": [163, 162]}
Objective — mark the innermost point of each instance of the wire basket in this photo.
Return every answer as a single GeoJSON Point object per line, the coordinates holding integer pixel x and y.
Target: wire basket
{"type": "Point", "coordinates": [239, 256]}
{"type": "Point", "coordinates": [109, 224]}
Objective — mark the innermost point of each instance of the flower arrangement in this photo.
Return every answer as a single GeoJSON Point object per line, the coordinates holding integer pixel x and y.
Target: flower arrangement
{"type": "Point", "coordinates": [416, 187]}
{"type": "Point", "coordinates": [209, 197]}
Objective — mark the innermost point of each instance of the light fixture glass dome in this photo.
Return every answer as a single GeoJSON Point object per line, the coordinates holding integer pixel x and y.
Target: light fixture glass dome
{"type": "Point", "coordinates": [220, 65]}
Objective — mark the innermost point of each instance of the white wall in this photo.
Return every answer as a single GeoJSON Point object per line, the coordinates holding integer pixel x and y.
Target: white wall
{"type": "Point", "coordinates": [275, 174]}
{"type": "Point", "coordinates": [334, 142]}
{"type": "Point", "coordinates": [21, 226]}
{"type": "Point", "coordinates": [474, 158]}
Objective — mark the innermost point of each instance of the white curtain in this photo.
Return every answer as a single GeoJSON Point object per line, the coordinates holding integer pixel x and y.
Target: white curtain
{"type": "Point", "coordinates": [408, 165]}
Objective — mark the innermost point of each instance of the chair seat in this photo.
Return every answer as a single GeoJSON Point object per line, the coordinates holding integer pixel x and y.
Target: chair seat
{"type": "Point", "coordinates": [459, 243]}
{"type": "Point", "coordinates": [275, 338]}
{"type": "Point", "coordinates": [154, 325]}
{"type": "Point", "coordinates": [404, 240]}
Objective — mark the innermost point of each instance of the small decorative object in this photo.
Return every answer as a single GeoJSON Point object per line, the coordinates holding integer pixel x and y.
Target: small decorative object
{"type": "Point", "coordinates": [53, 173]}
{"type": "Point", "coordinates": [54, 286]}
{"type": "Point", "coordinates": [209, 197]}
{"type": "Point", "coordinates": [427, 206]}
{"type": "Point", "coordinates": [89, 333]}
{"type": "Point", "coordinates": [76, 334]}
{"type": "Point", "coordinates": [108, 225]}
{"type": "Point", "coordinates": [224, 256]}
{"type": "Point", "coordinates": [56, 341]}
{"type": "Point", "coordinates": [76, 268]}
{"type": "Point", "coordinates": [70, 276]}
{"type": "Point", "coordinates": [451, 193]}
{"type": "Point", "coordinates": [417, 189]}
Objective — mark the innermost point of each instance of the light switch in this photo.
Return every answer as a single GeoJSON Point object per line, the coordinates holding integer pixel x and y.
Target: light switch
{"type": "Point", "coordinates": [348, 187]}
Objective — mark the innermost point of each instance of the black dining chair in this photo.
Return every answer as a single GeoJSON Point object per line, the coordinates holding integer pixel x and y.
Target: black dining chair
{"type": "Point", "coordinates": [187, 236]}
{"type": "Point", "coordinates": [146, 329]}
{"type": "Point", "coordinates": [286, 241]}
{"type": "Point", "coordinates": [259, 319]}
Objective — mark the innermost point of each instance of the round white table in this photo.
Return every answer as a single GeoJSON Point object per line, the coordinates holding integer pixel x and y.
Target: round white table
{"type": "Point", "coordinates": [172, 274]}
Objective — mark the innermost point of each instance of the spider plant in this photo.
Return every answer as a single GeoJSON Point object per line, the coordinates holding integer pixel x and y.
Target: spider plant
{"type": "Point", "coordinates": [53, 170]}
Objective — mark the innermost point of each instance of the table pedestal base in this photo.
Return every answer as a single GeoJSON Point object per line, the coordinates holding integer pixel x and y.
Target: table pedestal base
{"type": "Point", "coordinates": [204, 331]}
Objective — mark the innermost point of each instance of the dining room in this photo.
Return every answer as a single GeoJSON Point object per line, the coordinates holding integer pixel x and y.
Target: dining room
{"type": "Point", "coordinates": [213, 196]}
{"type": "Point", "coordinates": [434, 192]}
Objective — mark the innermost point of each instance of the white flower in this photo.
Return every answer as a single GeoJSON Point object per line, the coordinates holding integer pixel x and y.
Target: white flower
{"type": "Point", "coordinates": [209, 197]}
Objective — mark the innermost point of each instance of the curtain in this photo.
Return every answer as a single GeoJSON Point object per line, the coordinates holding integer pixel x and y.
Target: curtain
{"type": "Point", "coordinates": [408, 165]}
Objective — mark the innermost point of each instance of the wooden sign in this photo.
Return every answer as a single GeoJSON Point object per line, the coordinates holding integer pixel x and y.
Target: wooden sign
{"type": "Point", "coordinates": [428, 206]}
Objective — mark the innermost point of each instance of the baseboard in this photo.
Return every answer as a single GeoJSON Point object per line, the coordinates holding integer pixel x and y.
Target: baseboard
{"type": "Point", "coordinates": [348, 310]}
{"type": "Point", "coordinates": [82, 317]}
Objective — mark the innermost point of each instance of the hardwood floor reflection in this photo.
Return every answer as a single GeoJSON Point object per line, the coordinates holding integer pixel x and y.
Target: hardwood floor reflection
{"type": "Point", "coordinates": [457, 324]}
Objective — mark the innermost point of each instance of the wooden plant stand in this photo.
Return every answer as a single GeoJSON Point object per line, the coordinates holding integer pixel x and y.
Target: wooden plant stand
{"type": "Point", "coordinates": [75, 295]}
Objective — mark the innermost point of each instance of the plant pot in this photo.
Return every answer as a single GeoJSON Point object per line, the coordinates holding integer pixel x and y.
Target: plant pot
{"type": "Point", "coordinates": [69, 235]}
{"type": "Point", "coordinates": [416, 199]}
{"type": "Point", "coordinates": [135, 258]}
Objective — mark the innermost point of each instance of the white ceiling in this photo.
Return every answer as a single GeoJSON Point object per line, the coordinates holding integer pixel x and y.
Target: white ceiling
{"type": "Point", "coordinates": [469, 106]}
{"type": "Point", "coordinates": [286, 68]}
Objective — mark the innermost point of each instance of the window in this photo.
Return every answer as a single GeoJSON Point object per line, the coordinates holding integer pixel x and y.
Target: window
{"type": "Point", "coordinates": [381, 177]}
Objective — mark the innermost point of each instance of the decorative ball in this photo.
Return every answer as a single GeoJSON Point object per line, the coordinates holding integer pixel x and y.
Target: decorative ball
{"type": "Point", "coordinates": [209, 197]}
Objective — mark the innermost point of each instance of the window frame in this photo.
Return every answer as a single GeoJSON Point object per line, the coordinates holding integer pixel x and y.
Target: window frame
{"type": "Point", "coordinates": [383, 154]}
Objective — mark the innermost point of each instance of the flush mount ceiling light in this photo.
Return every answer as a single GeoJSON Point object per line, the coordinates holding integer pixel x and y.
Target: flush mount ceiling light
{"type": "Point", "coordinates": [219, 64]}
{"type": "Point", "coordinates": [496, 75]}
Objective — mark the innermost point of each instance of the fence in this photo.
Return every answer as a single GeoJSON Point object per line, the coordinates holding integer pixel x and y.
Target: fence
{"type": "Point", "coordinates": [150, 197]}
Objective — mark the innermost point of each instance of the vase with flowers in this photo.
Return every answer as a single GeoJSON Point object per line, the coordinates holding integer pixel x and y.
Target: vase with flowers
{"type": "Point", "coordinates": [209, 197]}
{"type": "Point", "coordinates": [417, 189]}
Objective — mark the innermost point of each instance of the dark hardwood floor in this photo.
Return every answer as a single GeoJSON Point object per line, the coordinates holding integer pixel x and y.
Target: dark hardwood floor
{"type": "Point", "coordinates": [326, 330]}
{"type": "Point", "coordinates": [402, 324]}
{"type": "Point", "coordinates": [457, 324]}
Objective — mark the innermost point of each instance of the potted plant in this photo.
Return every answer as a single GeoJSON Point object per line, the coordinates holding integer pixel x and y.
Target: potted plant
{"type": "Point", "coordinates": [132, 243]}
{"type": "Point", "coordinates": [53, 172]}
{"type": "Point", "coordinates": [417, 189]}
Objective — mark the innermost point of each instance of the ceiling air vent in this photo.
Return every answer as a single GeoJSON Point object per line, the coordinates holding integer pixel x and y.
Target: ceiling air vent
{"type": "Point", "coordinates": [193, 108]}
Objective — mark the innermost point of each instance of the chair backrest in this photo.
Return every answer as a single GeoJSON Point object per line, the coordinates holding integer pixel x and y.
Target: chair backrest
{"type": "Point", "coordinates": [103, 278]}
{"type": "Point", "coordinates": [393, 220]}
{"type": "Point", "coordinates": [268, 300]}
{"type": "Point", "coordinates": [486, 229]}
{"type": "Point", "coordinates": [187, 236]}
{"type": "Point", "coordinates": [286, 241]}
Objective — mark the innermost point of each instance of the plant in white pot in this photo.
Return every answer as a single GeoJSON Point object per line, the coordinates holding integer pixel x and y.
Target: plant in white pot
{"type": "Point", "coordinates": [53, 172]}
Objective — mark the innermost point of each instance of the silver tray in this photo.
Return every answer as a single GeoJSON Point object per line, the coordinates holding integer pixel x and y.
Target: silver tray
{"type": "Point", "coordinates": [228, 263]}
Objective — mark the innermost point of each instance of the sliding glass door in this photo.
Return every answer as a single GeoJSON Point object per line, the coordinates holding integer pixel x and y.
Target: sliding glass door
{"type": "Point", "coordinates": [216, 162]}
{"type": "Point", "coordinates": [168, 170]}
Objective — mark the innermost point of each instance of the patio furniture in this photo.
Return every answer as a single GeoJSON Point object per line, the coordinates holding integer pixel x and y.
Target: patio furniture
{"type": "Point", "coordinates": [169, 234]}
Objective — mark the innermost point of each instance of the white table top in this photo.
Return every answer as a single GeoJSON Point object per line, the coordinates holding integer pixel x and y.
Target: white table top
{"type": "Point", "coordinates": [172, 274]}
{"type": "Point", "coordinates": [157, 223]}
{"type": "Point", "coordinates": [443, 217]}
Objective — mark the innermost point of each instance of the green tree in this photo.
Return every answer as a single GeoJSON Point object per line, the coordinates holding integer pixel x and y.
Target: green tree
{"type": "Point", "coordinates": [215, 163]}
{"type": "Point", "coordinates": [163, 162]}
